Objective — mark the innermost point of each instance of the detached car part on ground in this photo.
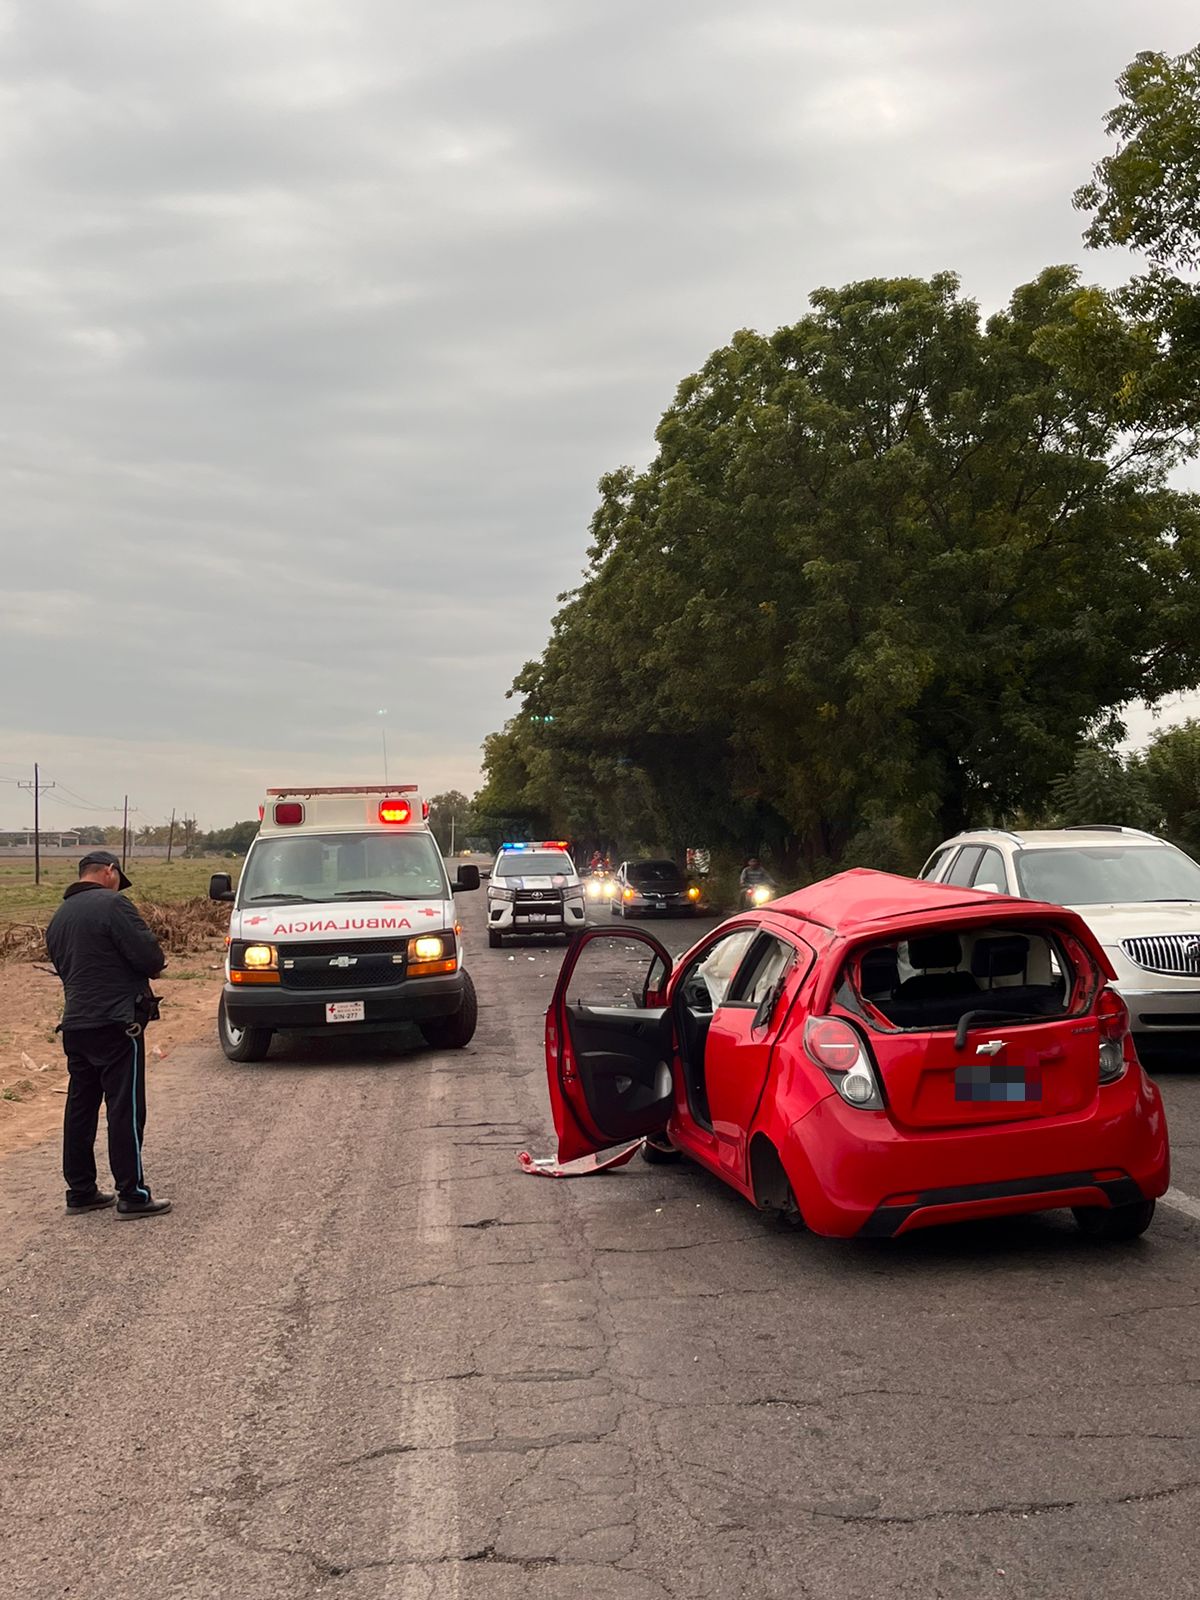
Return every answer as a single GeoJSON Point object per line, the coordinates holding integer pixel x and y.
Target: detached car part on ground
{"type": "Point", "coordinates": [343, 921]}
{"type": "Point", "coordinates": [873, 1055]}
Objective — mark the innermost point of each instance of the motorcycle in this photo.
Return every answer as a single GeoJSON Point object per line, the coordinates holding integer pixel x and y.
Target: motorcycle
{"type": "Point", "coordinates": [601, 886]}
{"type": "Point", "coordinates": [752, 895]}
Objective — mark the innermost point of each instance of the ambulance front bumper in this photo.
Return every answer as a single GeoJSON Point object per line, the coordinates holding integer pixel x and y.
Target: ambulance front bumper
{"type": "Point", "coordinates": [384, 1005]}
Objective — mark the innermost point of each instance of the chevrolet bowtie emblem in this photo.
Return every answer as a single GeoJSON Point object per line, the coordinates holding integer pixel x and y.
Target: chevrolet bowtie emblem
{"type": "Point", "coordinates": [343, 961]}
{"type": "Point", "coordinates": [992, 1048]}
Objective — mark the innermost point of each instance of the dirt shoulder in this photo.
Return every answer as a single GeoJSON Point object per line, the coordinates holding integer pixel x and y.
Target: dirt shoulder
{"type": "Point", "coordinates": [33, 1072]}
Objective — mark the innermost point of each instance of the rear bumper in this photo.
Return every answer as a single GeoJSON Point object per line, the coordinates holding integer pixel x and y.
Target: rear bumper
{"type": "Point", "coordinates": [282, 1009]}
{"type": "Point", "coordinates": [855, 1172]}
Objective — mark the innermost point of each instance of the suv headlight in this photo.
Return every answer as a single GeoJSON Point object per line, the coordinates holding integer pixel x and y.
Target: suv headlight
{"type": "Point", "coordinates": [501, 894]}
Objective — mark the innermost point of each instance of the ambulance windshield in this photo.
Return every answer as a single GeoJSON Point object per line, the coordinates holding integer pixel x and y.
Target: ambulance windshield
{"type": "Point", "coordinates": [317, 867]}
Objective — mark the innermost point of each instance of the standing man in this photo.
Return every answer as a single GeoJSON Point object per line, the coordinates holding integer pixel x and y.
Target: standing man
{"type": "Point", "coordinates": [105, 955]}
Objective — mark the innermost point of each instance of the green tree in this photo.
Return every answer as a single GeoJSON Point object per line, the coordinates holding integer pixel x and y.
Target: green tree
{"type": "Point", "coordinates": [451, 817]}
{"type": "Point", "coordinates": [1171, 772]}
{"type": "Point", "coordinates": [234, 841]}
{"type": "Point", "coordinates": [887, 562]}
{"type": "Point", "coordinates": [1146, 195]}
{"type": "Point", "coordinates": [1103, 786]}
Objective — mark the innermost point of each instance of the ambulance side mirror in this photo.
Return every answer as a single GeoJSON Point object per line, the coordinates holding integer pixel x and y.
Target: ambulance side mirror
{"type": "Point", "coordinates": [220, 886]}
{"type": "Point", "coordinates": [468, 878]}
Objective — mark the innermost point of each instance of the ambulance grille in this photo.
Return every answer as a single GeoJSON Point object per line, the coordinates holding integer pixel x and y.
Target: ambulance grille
{"type": "Point", "coordinates": [341, 964]}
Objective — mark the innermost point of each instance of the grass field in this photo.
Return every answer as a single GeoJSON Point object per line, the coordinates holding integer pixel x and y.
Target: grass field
{"type": "Point", "coordinates": [21, 900]}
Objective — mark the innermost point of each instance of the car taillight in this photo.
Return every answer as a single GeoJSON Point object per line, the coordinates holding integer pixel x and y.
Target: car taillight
{"type": "Point", "coordinates": [1112, 1014]}
{"type": "Point", "coordinates": [842, 1055]}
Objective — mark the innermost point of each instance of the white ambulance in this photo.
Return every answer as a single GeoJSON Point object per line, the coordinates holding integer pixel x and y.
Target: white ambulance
{"type": "Point", "coordinates": [343, 921]}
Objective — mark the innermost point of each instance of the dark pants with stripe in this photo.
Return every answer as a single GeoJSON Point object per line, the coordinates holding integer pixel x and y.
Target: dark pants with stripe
{"type": "Point", "coordinates": [106, 1064]}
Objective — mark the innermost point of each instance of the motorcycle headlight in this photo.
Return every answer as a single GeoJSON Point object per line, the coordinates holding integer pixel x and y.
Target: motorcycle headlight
{"type": "Point", "coordinates": [760, 894]}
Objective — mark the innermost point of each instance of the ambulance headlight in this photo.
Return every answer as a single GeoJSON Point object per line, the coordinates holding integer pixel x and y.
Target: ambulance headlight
{"type": "Point", "coordinates": [259, 956]}
{"type": "Point", "coordinates": [426, 948]}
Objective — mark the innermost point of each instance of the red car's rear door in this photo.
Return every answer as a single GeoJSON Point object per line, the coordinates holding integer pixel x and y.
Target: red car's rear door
{"type": "Point", "coordinates": [609, 1042]}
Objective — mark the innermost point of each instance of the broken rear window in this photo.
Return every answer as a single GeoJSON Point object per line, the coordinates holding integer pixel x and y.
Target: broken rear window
{"type": "Point", "coordinates": [933, 979]}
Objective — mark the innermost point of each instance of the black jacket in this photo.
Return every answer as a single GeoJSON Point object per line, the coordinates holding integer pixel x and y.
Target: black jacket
{"type": "Point", "coordinates": [104, 953]}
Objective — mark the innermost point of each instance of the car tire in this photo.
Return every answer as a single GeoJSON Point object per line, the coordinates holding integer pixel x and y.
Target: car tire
{"type": "Point", "coordinates": [657, 1155]}
{"type": "Point", "coordinates": [495, 940]}
{"type": "Point", "coordinates": [241, 1044]}
{"type": "Point", "coordinates": [1115, 1223]}
{"type": "Point", "coordinates": [458, 1029]}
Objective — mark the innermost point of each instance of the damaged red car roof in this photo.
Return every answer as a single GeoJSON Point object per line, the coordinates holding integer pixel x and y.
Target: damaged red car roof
{"type": "Point", "coordinates": [863, 898]}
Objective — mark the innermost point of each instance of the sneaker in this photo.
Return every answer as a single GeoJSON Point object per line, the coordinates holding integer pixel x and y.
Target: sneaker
{"type": "Point", "coordinates": [128, 1209]}
{"type": "Point", "coordinates": [96, 1201]}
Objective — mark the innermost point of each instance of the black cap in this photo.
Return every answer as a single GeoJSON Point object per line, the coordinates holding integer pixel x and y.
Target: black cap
{"type": "Point", "coordinates": [104, 858]}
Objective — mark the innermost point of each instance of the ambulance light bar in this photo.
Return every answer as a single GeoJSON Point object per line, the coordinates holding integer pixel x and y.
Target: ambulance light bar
{"type": "Point", "coordinates": [358, 788]}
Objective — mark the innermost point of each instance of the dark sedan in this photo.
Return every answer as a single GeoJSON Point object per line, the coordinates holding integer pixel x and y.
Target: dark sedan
{"type": "Point", "coordinates": [653, 888]}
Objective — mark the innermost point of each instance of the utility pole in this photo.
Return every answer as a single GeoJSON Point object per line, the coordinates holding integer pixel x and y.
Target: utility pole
{"type": "Point", "coordinates": [37, 786]}
{"type": "Point", "coordinates": [452, 833]}
{"type": "Point", "coordinates": [383, 732]}
{"type": "Point", "coordinates": [171, 837]}
{"type": "Point", "coordinates": [125, 834]}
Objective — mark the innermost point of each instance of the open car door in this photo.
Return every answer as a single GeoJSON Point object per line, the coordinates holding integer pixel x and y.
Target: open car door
{"type": "Point", "coordinates": [609, 1043]}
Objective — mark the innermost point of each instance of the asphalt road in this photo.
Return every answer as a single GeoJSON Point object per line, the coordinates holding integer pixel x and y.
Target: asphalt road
{"type": "Point", "coordinates": [367, 1357]}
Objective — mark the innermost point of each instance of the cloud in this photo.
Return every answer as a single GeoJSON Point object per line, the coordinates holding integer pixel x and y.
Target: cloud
{"type": "Point", "coordinates": [320, 323]}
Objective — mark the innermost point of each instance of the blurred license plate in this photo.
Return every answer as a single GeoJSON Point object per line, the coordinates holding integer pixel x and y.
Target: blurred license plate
{"type": "Point", "coordinates": [345, 1011]}
{"type": "Point", "coordinates": [535, 916]}
{"type": "Point", "coordinates": [993, 1083]}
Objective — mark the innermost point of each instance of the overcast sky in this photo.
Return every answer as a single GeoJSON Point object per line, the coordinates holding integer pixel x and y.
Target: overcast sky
{"type": "Point", "coordinates": [321, 319]}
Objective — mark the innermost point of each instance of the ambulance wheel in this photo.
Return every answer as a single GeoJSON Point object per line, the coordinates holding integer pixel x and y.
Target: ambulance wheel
{"type": "Point", "coordinates": [458, 1029]}
{"type": "Point", "coordinates": [1116, 1222]}
{"type": "Point", "coordinates": [241, 1044]}
{"type": "Point", "coordinates": [661, 1154]}
{"type": "Point", "coordinates": [495, 940]}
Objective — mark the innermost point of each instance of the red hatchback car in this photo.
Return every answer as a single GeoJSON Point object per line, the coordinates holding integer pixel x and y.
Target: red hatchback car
{"type": "Point", "coordinates": [871, 1055]}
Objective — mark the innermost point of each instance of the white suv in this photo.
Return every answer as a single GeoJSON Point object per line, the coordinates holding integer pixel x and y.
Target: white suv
{"type": "Point", "coordinates": [1139, 894]}
{"type": "Point", "coordinates": [534, 888]}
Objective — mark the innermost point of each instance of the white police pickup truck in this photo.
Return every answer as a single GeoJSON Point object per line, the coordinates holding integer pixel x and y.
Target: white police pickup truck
{"type": "Point", "coordinates": [534, 888]}
{"type": "Point", "coordinates": [343, 921]}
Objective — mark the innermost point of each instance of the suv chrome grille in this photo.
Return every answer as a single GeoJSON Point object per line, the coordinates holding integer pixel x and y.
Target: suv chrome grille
{"type": "Point", "coordinates": [1177, 953]}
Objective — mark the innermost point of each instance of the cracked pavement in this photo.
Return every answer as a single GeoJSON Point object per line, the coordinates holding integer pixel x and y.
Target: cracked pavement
{"type": "Point", "coordinates": [366, 1357]}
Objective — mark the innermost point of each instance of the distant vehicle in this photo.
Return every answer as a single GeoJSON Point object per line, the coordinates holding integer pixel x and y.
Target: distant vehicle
{"type": "Point", "coordinates": [343, 919]}
{"type": "Point", "coordinates": [1139, 895]}
{"type": "Point", "coordinates": [534, 888]}
{"type": "Point", "coordinates": [869, 1056]}
{"type": "Point", "coordinates": [653, 888]}
{"type": "Point", "coordinates": [599, 885]}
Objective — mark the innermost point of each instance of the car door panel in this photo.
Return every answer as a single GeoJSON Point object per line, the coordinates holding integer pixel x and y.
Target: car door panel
{"type": "Point", "coordinates": [608, 1066]}
{"type": "Point", "coordinates": [741, 1040]}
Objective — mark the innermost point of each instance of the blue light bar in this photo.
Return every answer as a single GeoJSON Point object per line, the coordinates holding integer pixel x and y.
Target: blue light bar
{"type": "Point", "coordinates": [514, 847]}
